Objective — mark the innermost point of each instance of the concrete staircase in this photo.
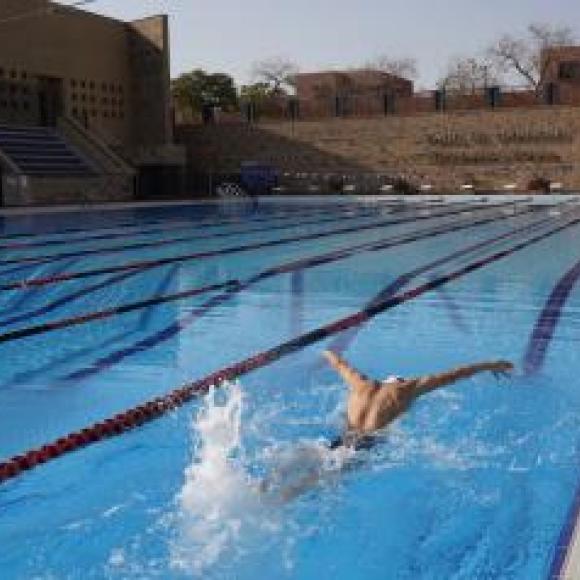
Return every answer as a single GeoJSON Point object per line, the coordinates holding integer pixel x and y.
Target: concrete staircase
{"type": "Point", "coordinates": [62, 164]}
{"type": "Point", "coordinates": [41, 151]}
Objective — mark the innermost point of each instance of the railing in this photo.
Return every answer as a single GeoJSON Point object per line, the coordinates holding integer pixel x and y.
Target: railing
{"type": "Point", "coordinates": [376, 104]}
{"type": "Point", "coordinates": [102, 153]}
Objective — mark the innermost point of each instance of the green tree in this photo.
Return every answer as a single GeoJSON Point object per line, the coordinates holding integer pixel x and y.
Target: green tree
{"type": "Point", "coordinates": [196, 89]}
{"type": "Point", "coordinates": [256, 92]}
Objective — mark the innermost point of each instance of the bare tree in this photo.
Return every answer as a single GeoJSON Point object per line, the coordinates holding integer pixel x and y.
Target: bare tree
{"type": "Point", "coordinates": [401, 67]}
{"type": "Point", "coordinates": [528, 58]}
{"type": "Point", "coordinates": [469, 75]}
{"type": "Point", "coordinates": [278, 73]}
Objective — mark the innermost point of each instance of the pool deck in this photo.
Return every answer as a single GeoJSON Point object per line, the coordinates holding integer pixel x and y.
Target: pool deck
{"type": "Point", "coordinates": [571, 568]}
{"type": "Point", "coordinates": [116, 206]}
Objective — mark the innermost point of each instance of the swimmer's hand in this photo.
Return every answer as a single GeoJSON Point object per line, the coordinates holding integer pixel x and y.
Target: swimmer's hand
{"type": "Point", "coordinates": [502, 369]}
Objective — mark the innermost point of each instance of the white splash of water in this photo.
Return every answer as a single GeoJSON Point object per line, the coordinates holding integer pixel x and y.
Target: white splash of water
{"type": "Point", "coordinates": [218, 498]}
{"type": "Point", "coordinates": [221, 508]}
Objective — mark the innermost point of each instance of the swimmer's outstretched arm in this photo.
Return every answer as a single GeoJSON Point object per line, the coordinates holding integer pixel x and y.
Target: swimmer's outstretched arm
{"type": "Point", "coordinates": [431, 382]}
{"type": "Point", "coordinates": [350, 375]}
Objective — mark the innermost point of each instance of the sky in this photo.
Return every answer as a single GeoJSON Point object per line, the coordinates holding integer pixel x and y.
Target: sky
{"type": "Point", "coordinates": [230, 35]}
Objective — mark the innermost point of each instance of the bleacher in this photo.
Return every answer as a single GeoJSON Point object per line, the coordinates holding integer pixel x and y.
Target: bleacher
{"type": "Point", "coordinates": [41, 151]}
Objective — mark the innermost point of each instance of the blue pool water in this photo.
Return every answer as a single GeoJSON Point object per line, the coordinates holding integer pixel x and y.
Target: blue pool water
{"type": "Point", "coordinates": [476, 481]}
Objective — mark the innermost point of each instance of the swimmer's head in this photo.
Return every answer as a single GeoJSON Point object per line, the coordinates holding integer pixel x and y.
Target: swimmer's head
{"type": "Point", "coordinates": [393, 379]}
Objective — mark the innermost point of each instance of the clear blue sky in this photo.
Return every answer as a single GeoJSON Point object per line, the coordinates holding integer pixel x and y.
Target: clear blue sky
{"type": "Point", "coordinates": [229, 35]}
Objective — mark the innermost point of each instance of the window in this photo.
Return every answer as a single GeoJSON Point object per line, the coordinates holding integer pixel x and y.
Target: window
{"type": "Point", "coordinates": [569, 71]}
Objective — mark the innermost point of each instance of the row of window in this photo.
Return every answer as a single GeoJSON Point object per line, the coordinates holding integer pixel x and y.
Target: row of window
{"type": "Point", "coordinates": [15, 105]}
{"type": "Point", "coordinates": [86, 113]}
{"type": "Point", "coordinates": [92, 99]}
{"type": "Point", "coordinates": [92, 85]}
{"type": "Point", "coordinates": [13, 88]}
{"type": "Point", "coordinates": [12, 74]}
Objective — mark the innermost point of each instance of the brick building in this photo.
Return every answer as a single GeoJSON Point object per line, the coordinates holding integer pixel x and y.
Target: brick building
{"type": "Point", "coordinates": [319, 85]}
{"type": "Point", "coordinates": [562, 71]}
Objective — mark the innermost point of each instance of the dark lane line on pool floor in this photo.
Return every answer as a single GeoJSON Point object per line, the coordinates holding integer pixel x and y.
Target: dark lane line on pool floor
{"type": "Point", "coordinates": [67, 299]}
{"type": "Point", "coordinates": [18, 300]}
{"type": "Point", "coordinates": [335, 217]}
{"type": "Point", "coordinates": [189, 225]}
{"type": "Point", "coordinates": [339, 209]}
{"type": "Point", "coordinates": [534, 360]}
{"type": "Point", "coordinates": [194, 315]}
{"type": "Point", "coordinates": [25, 377]}
{"type": "Point", "coordinates": [20, 284]}
{"type": "Point", "coordinates": [194, 220]}
{"type": "Point", "coordinates": [544, 329]}
{"type": "Point", "coordinates": [233, 285]}
{"type": "Point", "coordinates": [151, 410]}
{"type": "Point", "coordinates": [342, 343]}
{"type": "Point", "coordinates": [369, 214]}
{"type": "Point", "coordinates": [27, 264]}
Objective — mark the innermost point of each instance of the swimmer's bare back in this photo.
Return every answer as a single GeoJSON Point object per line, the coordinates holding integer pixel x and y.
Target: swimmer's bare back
{"type": "Point", "coordinates": [373, 404]}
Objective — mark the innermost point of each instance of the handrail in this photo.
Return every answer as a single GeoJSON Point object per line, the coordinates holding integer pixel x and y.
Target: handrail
{"type": "Point", "coordinates": [65, 123]}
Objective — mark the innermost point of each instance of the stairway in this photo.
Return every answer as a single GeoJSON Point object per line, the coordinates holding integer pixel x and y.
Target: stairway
{"type": "Point", "coordinates": [41, 151]}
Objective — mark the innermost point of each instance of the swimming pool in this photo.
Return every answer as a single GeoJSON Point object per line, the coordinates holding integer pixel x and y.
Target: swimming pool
{"type": "Point", "coordinates": [103, 312]}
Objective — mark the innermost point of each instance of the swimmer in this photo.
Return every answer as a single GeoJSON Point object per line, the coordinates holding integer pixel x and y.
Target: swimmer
{"type": "Point", "coordinates": [373, 404]}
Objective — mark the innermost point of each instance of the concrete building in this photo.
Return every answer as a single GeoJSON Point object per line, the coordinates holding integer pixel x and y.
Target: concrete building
{"type": "Point", "coordinates": [100, 85]}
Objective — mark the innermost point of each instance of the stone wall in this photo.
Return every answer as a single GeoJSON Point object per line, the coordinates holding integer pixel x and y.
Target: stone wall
{"type": "Point", "coordinates": [489, 149]}
{"type": "Point", "coordinates": [27, 191]}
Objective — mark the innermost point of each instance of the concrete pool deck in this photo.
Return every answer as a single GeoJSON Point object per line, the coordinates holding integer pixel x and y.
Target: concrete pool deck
{"type": "Point", "coordinates": [117, 206]}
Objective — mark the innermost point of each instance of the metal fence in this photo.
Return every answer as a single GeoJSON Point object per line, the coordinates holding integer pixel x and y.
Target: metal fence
{"type": "Point", "coordinates": [376, 103]}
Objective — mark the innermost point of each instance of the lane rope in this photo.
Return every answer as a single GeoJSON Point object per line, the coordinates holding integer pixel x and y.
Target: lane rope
{"type": "Point", "coordinates": [43, 281]}
{"type": "Point", "coordinates": [146, 412]}
{"type": "Point", "coordinates": [233, 285]}
{"type": "Point", "coordinates": [32, 260]}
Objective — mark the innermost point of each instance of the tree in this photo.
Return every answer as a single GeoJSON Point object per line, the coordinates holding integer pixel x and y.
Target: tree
{"type": "Point", "coordinates": [526, 58]}
{"type": "Point", "coordinates": [401, 67]}
{"type": "Point", "coordinates": [255, 92]}
{"type": "Point", "coordinates": [469, 75]}
{"type": "Point", "coordinates": [277, 73]}
{"type": "Point", "coordinates": [196, 89]}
